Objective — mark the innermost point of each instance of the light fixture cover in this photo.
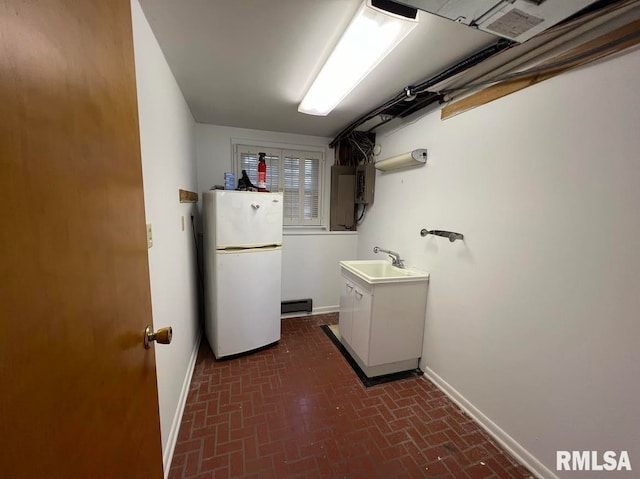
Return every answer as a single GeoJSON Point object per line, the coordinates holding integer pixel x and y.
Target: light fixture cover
{"type": "Point", "coordinates": [370, 36]}
{"type": "Point", "coordinates": [413, 158]}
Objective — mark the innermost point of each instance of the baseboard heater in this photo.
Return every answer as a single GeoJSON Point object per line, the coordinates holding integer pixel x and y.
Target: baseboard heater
{"type": "Point", "coordinates": [296, 305]}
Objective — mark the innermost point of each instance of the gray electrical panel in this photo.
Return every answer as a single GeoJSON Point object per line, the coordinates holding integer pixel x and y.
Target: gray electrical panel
{"type": "Point", "coordinates": [365, 182]}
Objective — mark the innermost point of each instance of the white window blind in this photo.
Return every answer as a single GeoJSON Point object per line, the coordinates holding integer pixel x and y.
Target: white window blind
{"type": "Point", "coordinates": [298, 174]}
{"type": "Point", "coordinates": [291, 188]}
{"type": "Point", "coordinates": [311, 187]}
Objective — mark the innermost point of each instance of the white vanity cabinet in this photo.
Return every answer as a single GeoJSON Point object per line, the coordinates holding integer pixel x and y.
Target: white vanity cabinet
{"type": "Point", "coordinates": [355, 316]}
{"type": "Point", "coordinates": [382, 324]}
{"type": "Point", "coordinates": [345, 322]}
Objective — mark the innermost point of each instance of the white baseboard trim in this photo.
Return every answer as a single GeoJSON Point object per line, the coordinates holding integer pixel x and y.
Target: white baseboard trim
{"type": "Point", "coordinates": [501, 437]}
{"type": "Point", "coordinates": [319, 310]}
{"type": "Point", "coordinates": [167, 456]}
{"type": "Point", "coordinates": [326, 309]}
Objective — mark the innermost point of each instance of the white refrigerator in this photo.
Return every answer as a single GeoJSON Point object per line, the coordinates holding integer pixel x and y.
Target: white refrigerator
{"type": "Point", "coordinates": [243, 265]}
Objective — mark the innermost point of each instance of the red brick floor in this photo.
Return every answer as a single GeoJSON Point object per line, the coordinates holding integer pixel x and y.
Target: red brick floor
{"type": "Point", "coordinates": [297, 410]}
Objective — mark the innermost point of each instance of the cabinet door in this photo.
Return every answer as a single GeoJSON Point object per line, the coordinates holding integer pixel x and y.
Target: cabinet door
{"type": "Point", "coordinates": [361, 323]}
{"type": "Point", "coordinates": [345, 320]}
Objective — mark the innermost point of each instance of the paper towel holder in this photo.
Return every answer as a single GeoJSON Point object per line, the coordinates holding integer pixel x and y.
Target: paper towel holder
{"type": "Point", "coordinates": [416, 157]}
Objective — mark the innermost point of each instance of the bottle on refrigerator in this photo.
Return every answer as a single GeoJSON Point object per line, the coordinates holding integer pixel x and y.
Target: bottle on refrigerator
{"type": "Point", "coordinates": [262, 172]}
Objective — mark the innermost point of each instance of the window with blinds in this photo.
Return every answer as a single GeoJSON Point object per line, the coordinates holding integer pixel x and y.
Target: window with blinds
{"type": "Point", "coordinates": [298, 174]}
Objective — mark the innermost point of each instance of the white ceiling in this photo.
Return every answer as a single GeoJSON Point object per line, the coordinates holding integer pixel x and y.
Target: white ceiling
{"type": "Point", "coordinates": [248, 63]}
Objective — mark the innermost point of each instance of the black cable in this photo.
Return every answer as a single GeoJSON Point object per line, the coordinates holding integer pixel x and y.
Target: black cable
{"type": "Point", "coordinates": [349, 129]}
{"type": "Point", "coordinates": [474, 59]}
{"type": "Point", "coordinates": [195, 242]}
{"type": "Point", "coordinates": [364, 207]}
{"type": "Point", "coordinates": [459, 67]}
{"type": "Point", "coordinates": [480, 56]}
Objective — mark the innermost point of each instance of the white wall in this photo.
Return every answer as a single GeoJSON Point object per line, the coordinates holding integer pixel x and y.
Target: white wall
{"type": "Point", "coordinates": [309, 258]}
{"type": "Point", "coordinates": [533, 319]}
{"type": "Point", "coordinates": [310, 265]}
{"type": "Point", "coordinates": [167, 137]}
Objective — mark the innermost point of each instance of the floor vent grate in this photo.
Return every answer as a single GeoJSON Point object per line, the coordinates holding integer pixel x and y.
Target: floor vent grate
{"type": "Point", "coordinates": [296, 305]}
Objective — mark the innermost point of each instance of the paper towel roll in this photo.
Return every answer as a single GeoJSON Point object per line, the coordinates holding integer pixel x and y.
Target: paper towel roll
{"type": "Point", "coordinates": [412, 158]}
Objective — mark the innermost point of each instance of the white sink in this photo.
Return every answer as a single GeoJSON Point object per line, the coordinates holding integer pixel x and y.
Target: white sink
{"type": "Point", "coordinates": [382, 271]}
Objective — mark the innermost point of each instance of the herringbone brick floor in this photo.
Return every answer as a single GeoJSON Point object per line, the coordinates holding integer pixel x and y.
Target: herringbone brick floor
{"type": "Point", "coordinates": [297, 410]}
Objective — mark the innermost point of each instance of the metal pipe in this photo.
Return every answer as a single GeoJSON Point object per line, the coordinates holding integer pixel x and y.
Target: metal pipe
{"type": "Point", "coordinates": [445, 234]}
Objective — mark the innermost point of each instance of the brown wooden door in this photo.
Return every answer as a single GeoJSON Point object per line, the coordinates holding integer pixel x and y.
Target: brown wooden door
{"type": "Point", "coordinates": [78, 395]}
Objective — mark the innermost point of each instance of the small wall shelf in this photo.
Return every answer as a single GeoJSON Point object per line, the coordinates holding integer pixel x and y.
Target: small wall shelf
{"type": "Point", "coordinates": [188, 196]}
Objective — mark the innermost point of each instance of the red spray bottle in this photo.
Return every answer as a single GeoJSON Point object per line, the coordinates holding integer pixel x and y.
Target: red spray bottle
{"type": "Point", "coordinates": [262, 173]}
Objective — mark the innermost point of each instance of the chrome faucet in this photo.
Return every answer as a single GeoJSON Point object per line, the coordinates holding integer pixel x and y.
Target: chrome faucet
{"type": "Point", "coordinates": [395, 257]}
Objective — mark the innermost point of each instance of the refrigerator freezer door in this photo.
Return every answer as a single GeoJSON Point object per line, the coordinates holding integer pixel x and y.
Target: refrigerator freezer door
{"type": "Point", "coordinates": [246, 314]}
{"type": "Point", "coordinates": [247, 219]}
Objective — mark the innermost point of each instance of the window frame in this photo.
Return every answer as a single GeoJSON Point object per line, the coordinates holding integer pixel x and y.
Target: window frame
{"type": "Point", "coordinates": [300, 151]}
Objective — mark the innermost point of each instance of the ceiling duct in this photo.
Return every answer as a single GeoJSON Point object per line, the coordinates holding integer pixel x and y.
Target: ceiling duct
{"type": "Point", "coordinates": [516, 20]}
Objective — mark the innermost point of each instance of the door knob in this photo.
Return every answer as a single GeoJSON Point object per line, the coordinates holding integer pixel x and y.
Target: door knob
{"type": "Point", "coordinates": [162, 335]}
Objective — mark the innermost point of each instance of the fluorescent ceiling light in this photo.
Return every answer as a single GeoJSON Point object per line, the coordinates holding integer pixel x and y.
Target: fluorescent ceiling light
{"type": "Point", "coordinates": [370, 36]}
